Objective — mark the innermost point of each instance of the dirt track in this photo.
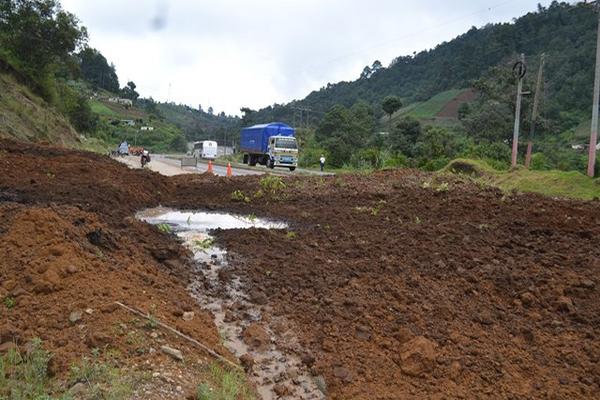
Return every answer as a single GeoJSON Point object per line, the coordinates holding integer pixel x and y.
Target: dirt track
{"type": "Point", "coordinates": [395, 286]}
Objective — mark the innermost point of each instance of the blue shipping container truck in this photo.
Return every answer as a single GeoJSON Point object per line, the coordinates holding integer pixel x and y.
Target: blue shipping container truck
{"type": "Point", "coordinates": [273, 145]}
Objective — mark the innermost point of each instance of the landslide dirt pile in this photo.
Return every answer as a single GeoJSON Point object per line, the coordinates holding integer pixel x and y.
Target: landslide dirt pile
{"type": "Point", "coordinates": [400, 286]}
{"type": "Point", "coordinates": [95, 183]}
{"type": "Point", "coordinates": [70, 247]}
{"type": "Point", "coordinates": [397, 285]}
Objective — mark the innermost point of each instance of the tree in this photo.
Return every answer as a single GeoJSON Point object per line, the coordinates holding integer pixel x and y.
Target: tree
{"type": "Point", "coordinates": [344, 131]}
{"type": "Point", "coordinates": [390, 105]}
{"type": "Point", "coordinates": [36, 36]}
{"type": "Point", "coordinates": [179, 144]}
{"type": "Point", "coordinates": [210, 110]}
{"type": "Point", "coordinates": [404, 135]}
{"type": "Point", "coordinates": [376, 66]}
{"type": "Point", "coordinates": [129, 92]}
{"type": "Point", "coordinates": [96, 70]}
{"type": "Point", "coordinates": [247, 117]}
{"type": "Point", "coordinates": [366, 73]}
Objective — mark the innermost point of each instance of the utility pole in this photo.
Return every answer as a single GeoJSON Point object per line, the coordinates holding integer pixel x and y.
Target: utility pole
{"type": "Point", "coordinates": [594, 130]}
{"type": "Point", "coordinates": [519, 69]}
{"type": "Point", "coordinates": [534, 112]}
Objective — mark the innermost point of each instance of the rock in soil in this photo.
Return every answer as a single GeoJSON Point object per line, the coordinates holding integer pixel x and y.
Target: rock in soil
{"type": "Point", "coordinates": [176, 354]}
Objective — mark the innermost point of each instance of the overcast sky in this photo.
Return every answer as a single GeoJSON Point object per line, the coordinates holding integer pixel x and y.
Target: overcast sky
{"type": "Point", "coordinates": [233, 53]}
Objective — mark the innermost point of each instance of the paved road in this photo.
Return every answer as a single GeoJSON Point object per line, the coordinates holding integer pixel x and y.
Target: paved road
{"type": "Point", "coordinates": [258, 169]}
{"type": "Point", "coordinates": [203, 167]}
{"type": "Point", "coordinates": [170, 165]}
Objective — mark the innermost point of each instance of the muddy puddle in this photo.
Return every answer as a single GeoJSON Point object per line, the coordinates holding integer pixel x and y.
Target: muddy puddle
{"type": "Point", "coordinates": [267, 349]}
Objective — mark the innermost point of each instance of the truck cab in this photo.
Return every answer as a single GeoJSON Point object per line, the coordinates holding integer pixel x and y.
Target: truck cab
{"type": "Point", "coordinates": [283, 152]}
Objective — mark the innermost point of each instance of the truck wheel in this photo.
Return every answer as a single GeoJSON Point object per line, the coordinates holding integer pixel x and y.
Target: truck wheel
{"type": "Point", "coordinates": [252, 161]}
{"type": "Point", "coordinates": [292, 168]}
{"type": "Point", "coordinates": [245, 158]}
{"type": "Point", "coordinates": [271, 164]}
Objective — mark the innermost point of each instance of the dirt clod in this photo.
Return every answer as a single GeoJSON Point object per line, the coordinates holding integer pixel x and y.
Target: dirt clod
{"type": "Point", "coordinates": [418, 356]}
{"type": "Point", "coordinates": [255, 336]}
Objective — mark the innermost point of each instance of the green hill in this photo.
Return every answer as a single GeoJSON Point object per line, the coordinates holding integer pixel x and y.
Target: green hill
{"type": "Point", "coordinates": [565, 32]}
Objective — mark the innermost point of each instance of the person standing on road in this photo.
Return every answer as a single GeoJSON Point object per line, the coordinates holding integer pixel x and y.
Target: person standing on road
{"type": "Point", "coordinates": [322, 162]}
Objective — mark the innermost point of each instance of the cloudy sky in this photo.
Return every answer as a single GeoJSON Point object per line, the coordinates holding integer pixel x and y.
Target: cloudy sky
{"type": "Point", "coordinates": [234, 53]}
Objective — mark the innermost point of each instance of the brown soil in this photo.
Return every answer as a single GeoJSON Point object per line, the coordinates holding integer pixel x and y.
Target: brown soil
{"type": "Point", "coordinates": [450, 110]}
{"type": "Point", "coordinates": [395, 289]}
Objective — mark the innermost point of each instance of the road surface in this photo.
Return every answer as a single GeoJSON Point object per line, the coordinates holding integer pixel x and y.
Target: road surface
{"type": "Point", "coordinates": [170, 165]}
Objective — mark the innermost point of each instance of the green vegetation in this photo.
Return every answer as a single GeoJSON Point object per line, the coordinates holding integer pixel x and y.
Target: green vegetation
{"type": "Point", "coordinates": [44, 49]}
{"type": "Point", "coordinates": [238, 195]}
{"type": "Point", "coordinates": [431, 107]}
{"type": "Point", "coordinates": [204, 244]}
{"type": "Point", "coordinates": [25, 375]}
{"type": "Point", "coordinates": [224, 385]}
{"type": "Point", "coordinates": [164, 228]}
{"type": "Point", "coordinates": [553, 183]}
{"type": "Point", "coordinates": [101, 109]}
{"type": "Point", "coordinates": [272, 185]}
{"type": "Point", "coordinates": [351, 114]}
{"type": "Point", "coordinates": [10, 302]}
{"type": "Point", "coordinates": [101, 379]}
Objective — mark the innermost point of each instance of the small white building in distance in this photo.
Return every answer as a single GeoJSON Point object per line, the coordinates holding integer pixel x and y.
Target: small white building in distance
{"type": "Point", "coordinates": [119, 100]}
{"type": "Point", "coordinates": [146, 128]}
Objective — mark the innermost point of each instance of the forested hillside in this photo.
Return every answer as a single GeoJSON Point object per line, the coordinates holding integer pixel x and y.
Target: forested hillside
{"type": "Point", "coordinates": [458, 98]}
{"type": "Point", "coordinates": [566, 33]}
{"type": "Point", "coordinates": [57, 89]}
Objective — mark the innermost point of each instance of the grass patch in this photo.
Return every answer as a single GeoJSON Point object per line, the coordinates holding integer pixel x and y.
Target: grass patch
{"type": "Point", "coordinates": [101, 379]}
{"type": "Point", "coordinates": [426, 109]}
{"type": "Point", "coordinates": [225, 385]}
{"type": "Point", "coordinates": [24, 375]}
{"type": "Point", "coordinates": [554, 183]}
{"type": "Point", "coordinates": [101, 109]}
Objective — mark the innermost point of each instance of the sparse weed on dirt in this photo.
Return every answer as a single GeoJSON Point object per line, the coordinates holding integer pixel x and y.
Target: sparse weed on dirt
{"type": "Point", "coordinates": [203, 244]}
{"type": "Point", "coordinates": [438, 187]}
{"type": "Point", "coordinates": [101, 378]}
{"type": "Point", "coordinates": [442, 187]}
{"type": "Point", "coordinates": [24, 375]}
{"type": "Point", "coordinates": [239, 196]}
{"type": "Point", "coordinates": [225, 385]}
{"type": "Point", "coordinates": [290, 235]}
{"type": "Point", "coordinates": [272, 185]}
{"type": "Point", "coordinates": [373, 210]}
{"type": "Point", "coordinates": [151, 321]}
{"type": "Point", "coordinates": [164, 228]}
{"type": "Point", "coordinates": [10, 302]}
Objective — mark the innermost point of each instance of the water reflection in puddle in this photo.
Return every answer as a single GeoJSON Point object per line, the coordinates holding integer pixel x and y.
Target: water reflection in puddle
{"type": "Point", "coordinates": [223, 294]}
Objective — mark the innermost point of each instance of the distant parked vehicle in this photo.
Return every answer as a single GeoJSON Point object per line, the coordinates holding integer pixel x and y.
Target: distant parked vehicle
{"type": "Point", "coordinates": [273, 145]}
{"type": "Point", "coordinates": [136, 150]}
{"type": "Point", "coordinates": [206, 149]}
{"type": "Point", "coordinates": [123, 149]}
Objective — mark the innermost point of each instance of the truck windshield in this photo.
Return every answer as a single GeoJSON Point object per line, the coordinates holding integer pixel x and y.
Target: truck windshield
{"type": "Point", "coordinates": [286, 143]}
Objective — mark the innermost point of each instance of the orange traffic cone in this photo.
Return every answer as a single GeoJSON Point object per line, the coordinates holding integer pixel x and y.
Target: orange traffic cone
{"type": "Point", "coordinates": [229, 172]}
{"type": "Point", "coordinates": [210, 170]}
